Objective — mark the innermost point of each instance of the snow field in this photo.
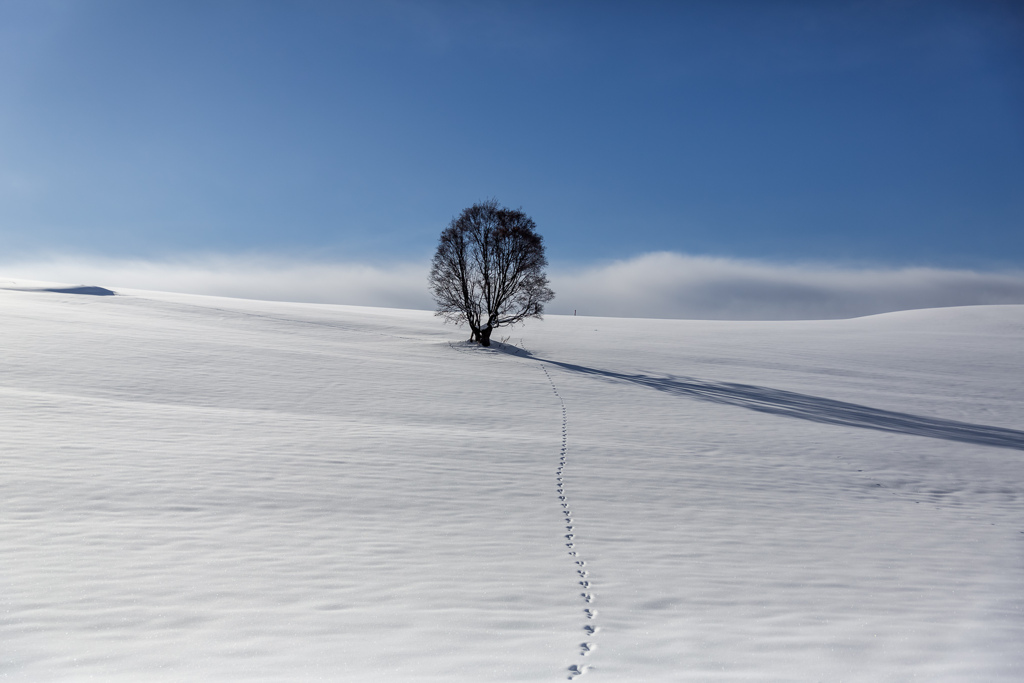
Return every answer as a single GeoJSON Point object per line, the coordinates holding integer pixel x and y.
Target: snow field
{"type": "Point", "coordinates": [203, 488]}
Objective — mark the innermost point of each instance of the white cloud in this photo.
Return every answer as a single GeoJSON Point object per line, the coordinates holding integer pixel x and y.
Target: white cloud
{"type": "Point", "coordinates": [668, 285]}
{"type": "Point", "coordinates": [401, 285]}
{"type": "Point", "coordinates": [665, 285]}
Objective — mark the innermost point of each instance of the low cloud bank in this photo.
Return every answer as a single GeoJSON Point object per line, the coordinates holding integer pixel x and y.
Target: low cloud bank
{"type": "Point", "coordinates": [669, 285]}
{"type": "Point", "coordinates": [401, 285]}
{"type": "Point", "coordinates": [658, 285]}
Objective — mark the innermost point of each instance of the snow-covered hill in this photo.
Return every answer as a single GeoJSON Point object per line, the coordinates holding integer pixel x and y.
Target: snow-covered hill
{"type": "Point", "coordinates": [212, 489]}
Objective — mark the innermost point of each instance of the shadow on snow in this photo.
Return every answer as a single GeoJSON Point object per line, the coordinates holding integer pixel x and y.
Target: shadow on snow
{"type": "Point", "coordinates": [813, 408]}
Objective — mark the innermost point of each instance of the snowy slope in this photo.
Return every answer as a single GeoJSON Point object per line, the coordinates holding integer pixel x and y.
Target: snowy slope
{"type": "Point", "coordinates": [198, 488]}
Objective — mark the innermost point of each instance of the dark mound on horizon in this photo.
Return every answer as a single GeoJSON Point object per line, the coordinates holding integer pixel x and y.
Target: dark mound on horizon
{"type": "Point", "coordinates": [84, 289]}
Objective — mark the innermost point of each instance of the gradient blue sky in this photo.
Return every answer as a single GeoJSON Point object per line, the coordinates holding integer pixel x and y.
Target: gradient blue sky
{"type": "Point", "coordinates": [886, 133]}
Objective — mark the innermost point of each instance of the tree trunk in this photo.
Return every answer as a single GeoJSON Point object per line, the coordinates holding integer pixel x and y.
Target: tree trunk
{"type": "Point", "coordinates": [485, 335]}
{"type": "Point", "coordinates": [474, 334]}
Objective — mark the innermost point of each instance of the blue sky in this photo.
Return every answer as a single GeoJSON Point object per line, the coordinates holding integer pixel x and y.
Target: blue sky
{"type": "Point", "coordinates": [878, 134]}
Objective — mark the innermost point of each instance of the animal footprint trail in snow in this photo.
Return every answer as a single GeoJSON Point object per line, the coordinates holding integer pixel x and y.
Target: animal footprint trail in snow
{"type": "Point", "coordinates": [583, 574]}
{"type": "Point", "coordinates": [577, 670]}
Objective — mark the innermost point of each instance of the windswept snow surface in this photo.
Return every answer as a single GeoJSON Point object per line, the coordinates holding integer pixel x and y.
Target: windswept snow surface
{"type": "Point", "coordinates": [212, 489]}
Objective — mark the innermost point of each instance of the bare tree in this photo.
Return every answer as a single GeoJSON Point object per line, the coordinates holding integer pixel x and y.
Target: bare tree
{"type": "Point", "coordinates": [488, 271]}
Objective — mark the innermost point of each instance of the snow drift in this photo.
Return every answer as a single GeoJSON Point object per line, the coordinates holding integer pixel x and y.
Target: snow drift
{"type": "Point", "coordinates": [216, 489]}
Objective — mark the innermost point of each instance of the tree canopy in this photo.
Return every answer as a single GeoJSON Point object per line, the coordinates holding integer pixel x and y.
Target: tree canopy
{"type": "Point", "coordinates": [488, 271]}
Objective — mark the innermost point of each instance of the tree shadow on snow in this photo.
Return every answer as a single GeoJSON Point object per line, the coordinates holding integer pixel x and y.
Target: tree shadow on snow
{"type": "Point", "coordinates": [813, 408]}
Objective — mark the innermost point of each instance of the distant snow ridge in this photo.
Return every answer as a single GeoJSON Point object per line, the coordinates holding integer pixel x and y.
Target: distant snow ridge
{"type": "Point", "coordinates": [588, 596]}
{"type": "Point", "coordinates": [54, 287]}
